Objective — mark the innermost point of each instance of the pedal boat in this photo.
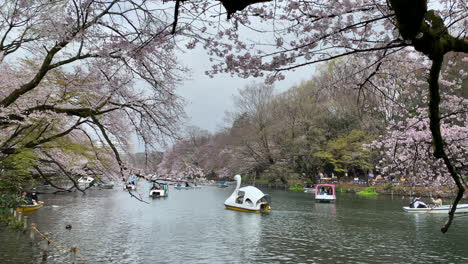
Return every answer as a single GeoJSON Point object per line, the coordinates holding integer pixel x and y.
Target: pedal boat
{"type": "Point", "coordinates": [325, 193]}
{"type": "Point", "coordinates": [163, 191]}
{"type": "Point", "coordinates": [248, 199]}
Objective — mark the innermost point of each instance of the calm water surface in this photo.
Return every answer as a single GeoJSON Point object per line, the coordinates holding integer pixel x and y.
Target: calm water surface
{"type": "Point", "coordinates": [192, 226]}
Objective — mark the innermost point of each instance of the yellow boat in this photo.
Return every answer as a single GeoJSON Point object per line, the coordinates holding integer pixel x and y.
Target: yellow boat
{"type": "Point", "coordinates": [29, 207]}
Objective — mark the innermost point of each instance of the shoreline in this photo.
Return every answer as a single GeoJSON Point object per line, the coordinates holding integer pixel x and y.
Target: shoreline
{"type": "Point", "coordinates": [383, 188]}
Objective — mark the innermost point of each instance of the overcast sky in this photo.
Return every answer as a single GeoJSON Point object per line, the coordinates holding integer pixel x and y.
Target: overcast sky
{"type": "Point", "coordinates": [207, 98]}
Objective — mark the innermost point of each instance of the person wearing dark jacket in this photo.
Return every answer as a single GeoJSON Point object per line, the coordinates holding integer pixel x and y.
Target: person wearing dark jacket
{"type": "Point", "coordinates": [417, 203]}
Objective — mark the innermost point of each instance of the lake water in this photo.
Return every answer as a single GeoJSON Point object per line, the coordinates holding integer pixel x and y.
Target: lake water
{"type": "Point", "coordinates": [192, 226]}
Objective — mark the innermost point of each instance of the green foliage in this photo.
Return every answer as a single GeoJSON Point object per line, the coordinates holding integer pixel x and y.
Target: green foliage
{"type": "Point", "coordinates": [11, 221]}
{"type": "Point", "coordinates": [369, 191]}
{"type": "Point", "coordinates": [9, 200]}
{"type": "Point", "coordinates": [7, 217]}
{"type": "Point", "coordinates": [388, 186]}
{"type": "Point", "coordinates": [346, 152]}
{"type": "Point", "coordinates": [296, 188]}
{"type": "Point", "coordinates": [15, 175]}
{"type": "Point", "coordinates": [340, 189]}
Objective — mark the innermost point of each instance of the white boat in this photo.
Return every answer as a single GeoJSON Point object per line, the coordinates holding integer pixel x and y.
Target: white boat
{"type": "Point", "coordinates": [325, 193]}
{"type": "Point", "coordinates": [85, 180]}
{"type": "Point", "coordinates": [309, 188]}
{"type": "Point", "coordinates": [248, 199]}
{"type": "Point", "coordinates": [444, 209]}
{"type": "Point", "coordinates": [161, 190]}
{"type": "Point", "coordinates": [130, 187]}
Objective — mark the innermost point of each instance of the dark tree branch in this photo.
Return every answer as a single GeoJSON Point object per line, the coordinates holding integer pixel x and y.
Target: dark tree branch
{"type": "Point", "coordinates": [438, 142]}
{"type": "Point", "coordinates": [233, 6]}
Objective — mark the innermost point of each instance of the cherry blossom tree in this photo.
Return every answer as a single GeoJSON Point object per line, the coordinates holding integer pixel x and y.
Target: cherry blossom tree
{"type": "Point", "coordinates": [407, 145]}
{"type": "Point", "coordinates": [79, 72]}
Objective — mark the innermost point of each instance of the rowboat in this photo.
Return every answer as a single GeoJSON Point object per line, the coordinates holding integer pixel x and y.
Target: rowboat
{"type": "Point", "coordinates": [178, 186]}
{"type": "Point", "coordinates": [29, 207]}
{"type": "Point", "coordinates": [444, 209]}
{"type": "Point", "coordinates": [248, 199]}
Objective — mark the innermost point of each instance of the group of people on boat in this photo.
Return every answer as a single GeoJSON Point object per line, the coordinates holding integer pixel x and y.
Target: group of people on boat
{"type": "Point", "coordinates": [324, 190]}
{"type": "Point", "coordinates": [417, 203]}
{"type": "Point", "coordinates": [30, 198]}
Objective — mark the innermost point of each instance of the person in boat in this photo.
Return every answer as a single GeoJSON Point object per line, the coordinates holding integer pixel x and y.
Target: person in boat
{"type": "Point", "coordinates": [34, 197]}
{"type": "Point", "coordinates": [156, 186]}
{"type": "Point", "coordinates": [27, 198]}
{"type": "Point", "coordinates": [417, 203]}
{"type": "Point", "coordinates": [322, 191]}
{"type": "Point", "coordinates": [437, 201]}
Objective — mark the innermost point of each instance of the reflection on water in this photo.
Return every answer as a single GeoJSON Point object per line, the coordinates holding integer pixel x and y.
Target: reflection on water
{"type": "Point", "coordinates": [192, 226]}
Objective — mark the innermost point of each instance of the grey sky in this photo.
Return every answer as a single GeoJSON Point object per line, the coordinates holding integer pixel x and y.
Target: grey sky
{"type": "Point", "coordinates": [207, 98]}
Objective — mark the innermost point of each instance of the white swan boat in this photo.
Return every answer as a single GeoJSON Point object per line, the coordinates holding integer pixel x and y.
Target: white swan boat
{"type": "Point", "coordinates": [444, 209]}
{"type": "Point", "coordinates": [248, 199]}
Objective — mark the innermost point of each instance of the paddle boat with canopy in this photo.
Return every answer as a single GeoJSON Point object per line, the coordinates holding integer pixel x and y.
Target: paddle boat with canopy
{"type": "Point", "coordinates": [325, 193]}
{"type": "Point", "coordinates": [130, 186]}
{"type": "Point", "coordinates": [159, 189]}
{"type": "Point", "coordinates": [248, 199]}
